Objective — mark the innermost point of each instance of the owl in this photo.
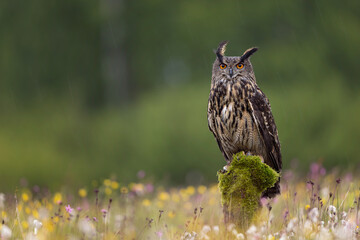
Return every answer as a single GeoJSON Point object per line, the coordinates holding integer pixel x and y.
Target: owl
{"type": "Point", "coordinates": [239, 113]}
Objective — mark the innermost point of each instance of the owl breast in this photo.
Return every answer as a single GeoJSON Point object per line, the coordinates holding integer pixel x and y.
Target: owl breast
{"type": "Point", "coordinates": [230, 114]}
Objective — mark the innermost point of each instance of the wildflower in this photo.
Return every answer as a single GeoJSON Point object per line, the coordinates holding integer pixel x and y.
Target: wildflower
{"type": "Point", "coordinates": [292, 225]}
{"type": "Point", "coordinates": [190, 190]}
{"type": "Point", "coordinates": [5, 232]}
{"type": "Point", "coordinates": [114, 185]}
{"type": "Point", "coordinates": [149, 188]}
{"type": "Point", "coordinates": [107, 182]}
{"type": "Point", "coordinates": [69, 209]}
{"type": "Point", "coordinates": [37, 225]}
{"type": "Point", "coordinates": [104, 211]}
{"type": "Point", "coordinates": [141, 174]}
{"type": "Point", "coordinates": [240, 236]}
{"type": "Point", "coordinates": [175, 197]}
{"type": "Point", "coordinates": [252, 233]}
{"type": "Point", "coordinates": [95, 219]}
{"type": "Point", "coordinates": [216, 229]}
{"type": "Point", "coordinates": [159, 234]}
{"type": "Point", "coordinates": [108, 191]}
{"type": "Point", "coordinates": [146, 202]}
{"type": "Point", "coordinates": [307, 207]}
{"type": "Point", "coordinates": [25, 225]}
{"type": "Point", "coordinates": [25, 197]}
{"type": "Point", "coordinates": [171, 214]}
{"type": "Point", "coordinates": [82, 192]}
{"type": "Point", "coordinates": [163, 196]}
{"type": "Point", "coordinates": [314, 215]}
{"type": "Point", "coordinates": [206, 229]}
{"type": "Point", "coordinates": [124, 190]}
{"type": "Point", "coordinates": [2, 200]}
{"type": "Point", "coordinates": [332, 213]}
{"type": "Point", "coordinates": [57, 198]}
{"type": "Point", "coordinates": [201, 189]}
{"type": "Point", "coordinates": [87, 228]}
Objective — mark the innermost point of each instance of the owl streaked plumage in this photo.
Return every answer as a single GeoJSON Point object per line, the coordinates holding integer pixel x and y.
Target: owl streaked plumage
{"type": "Point", "coordinates": [239, 113]}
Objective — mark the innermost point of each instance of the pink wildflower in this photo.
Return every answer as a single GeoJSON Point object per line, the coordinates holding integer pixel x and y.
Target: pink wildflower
{"type": "Point", "coordinates": [68, 208]}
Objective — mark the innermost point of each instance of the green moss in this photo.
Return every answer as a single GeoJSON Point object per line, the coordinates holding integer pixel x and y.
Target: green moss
{"type": "Point", "coordinates": [242, 185]}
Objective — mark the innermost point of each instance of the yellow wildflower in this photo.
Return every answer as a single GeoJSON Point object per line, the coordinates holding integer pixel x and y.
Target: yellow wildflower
{"type": "Point", "coordinates": [35, 213]}
{"type": "Point", "coordinates": [27, 210]}
{"type": "Point", "coordinates": [171, 214]}
{"type": "Point", "coordinates": [3, 214]}
{"type": "Point", "coordinates": [25, 197]}
{"type": "Point", "coordinates": [49, 226]}
{"type": "Point", "coordinates": [124, 190]}
{"type": "Point", "coordinates": [107, 182]}
{"type": "Point", "coordinates": [146, 202]}
{"type": "Point", "coordinates": [163, 196]}
{"type": "Point", "coordinates": [25, 225]}
{"type": "Point", "coordinates": [82, 192]}
{"type": "Point", "coordinates": [160, 204]}
{"type": "Point", "coordinates": [307, 207]}
{"type": "Point", "coordinates": [201, 189]}
{"type": "Point", "coordinates": [108, 191]}
{"type": "Point", "coordinates": [114, 185]}
{"type": "Point", "coordinates": [175, 197]}
{"type": "Point", "coordinates": [190, 190]}
{"type": "Point", "coordinates": [57, 198]}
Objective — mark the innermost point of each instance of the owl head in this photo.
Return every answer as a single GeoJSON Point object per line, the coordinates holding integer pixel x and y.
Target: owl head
{"type": "Point", "coordinates": [234, 67]}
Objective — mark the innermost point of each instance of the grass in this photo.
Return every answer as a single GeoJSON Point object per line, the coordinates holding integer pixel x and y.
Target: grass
{"type": "Point", "coordinates": [321, 206]}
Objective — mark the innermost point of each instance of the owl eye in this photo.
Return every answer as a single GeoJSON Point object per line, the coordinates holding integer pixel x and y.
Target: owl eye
{"type": "Point", "coordinates": [223, 66]}
{"type": "Point", "coordinates": [240, 66]}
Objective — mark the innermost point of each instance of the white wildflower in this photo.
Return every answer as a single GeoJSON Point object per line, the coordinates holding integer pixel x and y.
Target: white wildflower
{"type": "Point", "coordinates": [5, 232]}
{"type": "Point", "coordinates": [292, 225]}
{"type": "Point", "coordinates": [231, 227]}
{"type": "Point", "coordinates": [189, 236]}
{"type": "Point", "coordinates": [307, 228]}
{"type": "Point", "coordinates": [206, 229]}
{"type": "Point", "coordinates": [216, 229]}
{"type": "Point", "coordinates": [314, 215]}
{"type": "Point", "coordinates": [343, 215]}
{"type": "Point", "coordinates": [252, 233]}
{"type": "Point", "coordinates": [283, 237]}
{"type": "Point", "coordinates": [251, 230]}
{"type": "Point", "coordinates": [240, 236]}
{"type": "Point", "coordinates": [332, 213]}
{"type": "Point", "coordinates": [87, 228]}
{"type": "Point", "coordinates": [323, 234]}
{"type": "Point", "coordinates": [2, 200]}
{"type": "Point", "coordinates": [37, 225]}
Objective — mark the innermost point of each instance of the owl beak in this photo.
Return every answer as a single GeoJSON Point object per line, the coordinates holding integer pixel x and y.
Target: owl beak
{"type": "Point", "coordinates": [231, 72]}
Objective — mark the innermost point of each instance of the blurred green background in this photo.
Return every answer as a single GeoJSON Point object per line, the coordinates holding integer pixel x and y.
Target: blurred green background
{"type": "Point", "coordinates": [90, 89]}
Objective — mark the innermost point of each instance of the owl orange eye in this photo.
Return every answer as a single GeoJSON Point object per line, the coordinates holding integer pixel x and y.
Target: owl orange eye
{"type": "Point", "coordinates": [240, 66]}
{"type": "Point", "coordinates": [223, 66]}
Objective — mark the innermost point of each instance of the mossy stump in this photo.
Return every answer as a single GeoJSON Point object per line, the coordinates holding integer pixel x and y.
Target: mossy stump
{"type": "Point", "coordinates": [241, 187]}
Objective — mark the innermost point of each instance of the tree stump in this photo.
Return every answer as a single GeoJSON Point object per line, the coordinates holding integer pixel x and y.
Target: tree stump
{"type": "Point", "coordinates": [241, 187]}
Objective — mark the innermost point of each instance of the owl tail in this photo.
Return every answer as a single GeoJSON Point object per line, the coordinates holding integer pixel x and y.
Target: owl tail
{"type": "Point", "coordinates": [273, 191]}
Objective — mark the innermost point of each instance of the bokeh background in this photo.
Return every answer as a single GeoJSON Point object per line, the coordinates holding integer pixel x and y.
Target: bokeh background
{"type": "Point", "coordinates": [92, 89]}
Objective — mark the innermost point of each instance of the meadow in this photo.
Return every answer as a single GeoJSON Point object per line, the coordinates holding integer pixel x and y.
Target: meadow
{"type": "Point", "coordinates": [321, 206]}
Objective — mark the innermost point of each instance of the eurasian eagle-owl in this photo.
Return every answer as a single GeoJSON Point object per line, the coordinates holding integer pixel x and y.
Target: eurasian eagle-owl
{"type": "Point", "coordinates": [239, 113]}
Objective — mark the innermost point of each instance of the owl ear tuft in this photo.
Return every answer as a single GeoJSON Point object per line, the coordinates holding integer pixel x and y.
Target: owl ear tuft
{"type": "Point", "coordinates": [248, 53]}
{"type": "Point", "coordinates": [221, 50]}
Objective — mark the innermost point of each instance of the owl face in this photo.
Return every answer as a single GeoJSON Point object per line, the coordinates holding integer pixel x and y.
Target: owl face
{"type": "Point", "coordinates": [232, 68]}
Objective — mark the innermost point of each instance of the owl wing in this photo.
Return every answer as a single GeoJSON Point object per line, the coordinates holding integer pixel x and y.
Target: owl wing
{"type": "Point", "coordinates": [212, 123]}
{"type": "Point", "coordinates": [261, 113]}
